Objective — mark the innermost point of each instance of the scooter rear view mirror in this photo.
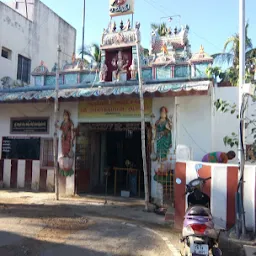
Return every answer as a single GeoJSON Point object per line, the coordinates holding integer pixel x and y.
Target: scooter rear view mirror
{"type": "Point", "coordinates": [178, 181]}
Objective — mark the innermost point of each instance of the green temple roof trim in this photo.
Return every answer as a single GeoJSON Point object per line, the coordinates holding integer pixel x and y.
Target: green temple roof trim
{"type": "Point", "coordinates": [38, 94]}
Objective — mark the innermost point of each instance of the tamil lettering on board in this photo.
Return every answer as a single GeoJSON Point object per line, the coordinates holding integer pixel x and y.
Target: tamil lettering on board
{"type": "Point", "coordinates": [113, 108]}
{"type": "Point", "coordinates": [113, 126]}
{"type": "Point", "coordinates": [121, 7]}
{"type": "Point", "coordinates": [29, 125]}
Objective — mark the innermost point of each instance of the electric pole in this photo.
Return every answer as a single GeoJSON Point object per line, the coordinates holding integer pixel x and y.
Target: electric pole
{"type": "Point", "coordinates": [241, 159]}
{"type": "Point", "coordinates": [55, 139]}
{"type": "Point", "coordinates": [142, 115]}
{"type": "Point", "coordinates": [83, 31]}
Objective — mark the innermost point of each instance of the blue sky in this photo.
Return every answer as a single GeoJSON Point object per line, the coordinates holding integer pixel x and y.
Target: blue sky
{"type": "Point", "coordinates": [210, 22]}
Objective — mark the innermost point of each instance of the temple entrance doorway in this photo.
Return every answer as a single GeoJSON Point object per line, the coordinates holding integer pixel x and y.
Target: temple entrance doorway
{"type": "Point", "coordinates": [111, 151]}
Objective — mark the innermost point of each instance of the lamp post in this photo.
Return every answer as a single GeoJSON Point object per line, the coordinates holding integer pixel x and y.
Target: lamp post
{"type": "Point", "coordinates": [142, 115]}
{"type": "Point", "coordinates": [55, 138]}
{"type": "Point", "coordinates": [241, 159]}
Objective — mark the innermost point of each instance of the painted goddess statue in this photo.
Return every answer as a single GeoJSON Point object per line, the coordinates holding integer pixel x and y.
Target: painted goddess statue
{"type": "Point", "coordinates": [67, 142]}
{"type": "Point", "coordinates": [67, 138]}
{"type": "Point", "coordinates": [163, 128]}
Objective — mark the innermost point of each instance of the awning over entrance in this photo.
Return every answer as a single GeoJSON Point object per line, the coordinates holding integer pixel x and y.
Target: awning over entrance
{"type": "Point", "coordinates": [40, 94]}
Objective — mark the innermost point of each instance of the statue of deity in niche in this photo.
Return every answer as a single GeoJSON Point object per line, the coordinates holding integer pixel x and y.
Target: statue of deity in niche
{"type": "Point", "coordinates": [103, 72]}
{"type": "Point", "coordinates": [127, 25]}
{"type": "Point", "coordinates": [67, 143]}
{"type": "Point", "coordinates": [134, 69]}
{"type": "Point", "coordinates": [163, 135]}
{"type": "Point", "coordinates": [120, 65]}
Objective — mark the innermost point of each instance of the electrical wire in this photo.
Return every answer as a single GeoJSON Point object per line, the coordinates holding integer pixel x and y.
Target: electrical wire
{"type": "Point", "coordinates": [204, 151]}
{"type": "Point", "coordinates": [33, 34]}
{"type": "Point", "coordinates": [155, 5]}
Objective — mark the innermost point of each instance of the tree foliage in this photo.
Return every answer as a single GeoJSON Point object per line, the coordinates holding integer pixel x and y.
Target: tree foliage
{"type": "Point", "coordinates": [250, 123]}
{"type": "Point", "coordinates": [93, 52]}
{"type": "Point", "coordinates": [162, 28]}
{"type": "Point", "coordinates": [230, 55]}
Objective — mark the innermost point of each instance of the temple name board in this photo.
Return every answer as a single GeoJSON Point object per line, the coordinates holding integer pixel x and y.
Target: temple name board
{"type": "Point", "coordinates": [128, 108]}
{"type": "Point", "coordinates": [121, 7]}
{"type": "Point", "coordinates": [29, 125]}
{"type": "Point", "coordinates": [118, 127]}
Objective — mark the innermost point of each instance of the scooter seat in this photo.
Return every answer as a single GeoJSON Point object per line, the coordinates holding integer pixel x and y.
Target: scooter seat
{"type": "Point", "coordinates": [198, 211]}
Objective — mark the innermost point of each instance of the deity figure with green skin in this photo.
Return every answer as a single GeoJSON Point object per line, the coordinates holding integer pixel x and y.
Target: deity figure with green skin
{"type": "Point", "coordinates": [163, 129]}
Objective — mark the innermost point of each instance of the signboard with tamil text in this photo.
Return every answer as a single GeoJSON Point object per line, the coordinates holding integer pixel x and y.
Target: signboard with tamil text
{"type": "Point", "coordinates": [125, 108]}
{"type": "Point", "coordinates": [29, 125]}
{"type": "Point", "coordinates": [121, 7]}
{"type": "Point", "coordinates": [21, 148]}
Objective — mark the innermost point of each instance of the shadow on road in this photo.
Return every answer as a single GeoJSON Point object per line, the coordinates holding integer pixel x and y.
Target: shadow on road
{"type": "Point", "coordinates": [17, 245]}
{"type": "Point", "coordinates": [78, 208]}
{"type": "Point", "coordinates": [56, 230]}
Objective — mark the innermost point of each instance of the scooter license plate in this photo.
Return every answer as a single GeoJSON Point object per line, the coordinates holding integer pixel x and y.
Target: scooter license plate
{"type": "Point", "coordinates": [200, 249]}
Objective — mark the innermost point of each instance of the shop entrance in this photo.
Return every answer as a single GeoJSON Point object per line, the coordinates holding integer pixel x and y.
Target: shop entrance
{"type": "Point", "coordinates": [112, 152]}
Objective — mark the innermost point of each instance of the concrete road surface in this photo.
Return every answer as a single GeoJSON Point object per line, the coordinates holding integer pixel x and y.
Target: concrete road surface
{"type": "Point", "coordinates": [250, 250]}
{"type": "Point", "coordinates": [48, 231]}
{"type": "Point", "coordinates": [111, 238]}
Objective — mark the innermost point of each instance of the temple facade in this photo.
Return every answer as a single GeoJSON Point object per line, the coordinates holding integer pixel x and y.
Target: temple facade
{"type": "Point", "coordinates": [99, 117]}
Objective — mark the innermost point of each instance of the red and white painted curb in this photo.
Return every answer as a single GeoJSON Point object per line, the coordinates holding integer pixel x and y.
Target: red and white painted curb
{"type": "Point", "coordinates": [26, 174]}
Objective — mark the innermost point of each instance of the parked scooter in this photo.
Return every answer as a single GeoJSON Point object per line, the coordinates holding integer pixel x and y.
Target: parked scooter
{"type": "Point", "coordinates": [199, 236]}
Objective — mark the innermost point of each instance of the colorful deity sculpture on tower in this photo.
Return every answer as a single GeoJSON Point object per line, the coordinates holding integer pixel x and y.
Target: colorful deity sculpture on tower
{"type": "Point", "coordinates": [120, 68]}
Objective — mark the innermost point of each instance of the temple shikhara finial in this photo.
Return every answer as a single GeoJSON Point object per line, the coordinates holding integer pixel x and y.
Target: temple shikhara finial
{"type": "Point", "coordinates": [201, 49]}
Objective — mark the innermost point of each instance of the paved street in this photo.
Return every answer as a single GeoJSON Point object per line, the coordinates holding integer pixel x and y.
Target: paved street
{"type": "Point", "coordinates": [35, 224]}
{"type": "Point", "coordinates": [80, 236]}
{"type": "Point", "coordinates": [29, 228]}
{"type": "Point", "coordinates": [250, 250]}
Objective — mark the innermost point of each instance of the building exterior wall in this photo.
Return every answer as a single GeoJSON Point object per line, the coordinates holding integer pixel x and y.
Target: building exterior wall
{"type": "Point", "coordinates": [194, 124]}
{"type": "Point", "coordinates": [221, 189]}
{"type": "Point", "coordinates": [200, 127]}
{"type": "Point", "coordinates": [30, 174]}
{"type": "Point", "coordinates": [36, 39]}
{"type": "Point", "coordinates": [224, 123]}
{"type": "Point", "coordinates": [20, 7]}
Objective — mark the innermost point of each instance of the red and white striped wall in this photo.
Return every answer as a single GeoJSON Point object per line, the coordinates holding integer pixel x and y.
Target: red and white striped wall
{"type": "Point", "coordinates": [25, 174]}
{"type": "Point", "coordinates": [221, 189]}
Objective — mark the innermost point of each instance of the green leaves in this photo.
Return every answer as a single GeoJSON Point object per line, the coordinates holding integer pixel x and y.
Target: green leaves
{"type": "Point", "coordinates": [230, 55]}
{"type": "Point", "coordinates": [231, 140]}
{"type": "Point", "coordinates": [214, 72]}
{"type": "Point", "coordinates": [224, 106]}
{"type": "Point", "coordinates": [162, 28]}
